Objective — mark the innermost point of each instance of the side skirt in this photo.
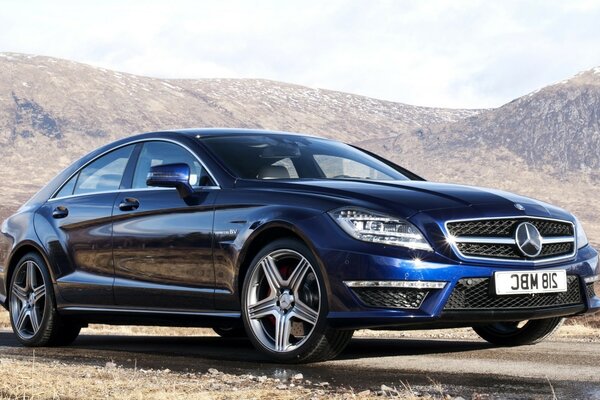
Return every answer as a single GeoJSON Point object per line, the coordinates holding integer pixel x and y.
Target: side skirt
{"type": "Point", "coordinates": [115, 315]}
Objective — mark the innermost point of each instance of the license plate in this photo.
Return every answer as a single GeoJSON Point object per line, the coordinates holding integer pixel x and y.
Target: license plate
{"type": "Point", "coordinates": [530, 282]}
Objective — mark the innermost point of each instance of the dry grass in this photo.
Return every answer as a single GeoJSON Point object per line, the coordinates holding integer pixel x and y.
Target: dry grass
{"type": "Point", "coordinates": [42, 379]}
{"type": "Point", "coordinates": [35, 378]}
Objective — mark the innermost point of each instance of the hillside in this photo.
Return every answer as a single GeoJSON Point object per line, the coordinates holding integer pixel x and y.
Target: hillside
{"type": "Point", "coordinates": [557, 126]}
{"type": "Point", "coordinates": [52, 111]}
{"type": "Point", "coordinates": [545, 144]}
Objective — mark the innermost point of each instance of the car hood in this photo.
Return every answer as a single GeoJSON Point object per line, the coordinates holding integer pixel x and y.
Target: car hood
{"type": "Point", "coordinates": [407, 198]}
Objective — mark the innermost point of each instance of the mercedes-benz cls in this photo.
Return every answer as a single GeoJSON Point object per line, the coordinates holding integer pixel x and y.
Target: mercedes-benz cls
{"type": "Point", "coordinates": [293, 241]}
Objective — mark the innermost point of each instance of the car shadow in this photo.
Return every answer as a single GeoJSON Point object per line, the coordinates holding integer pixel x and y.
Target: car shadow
{"type": "Point", "coordinates": [159, 348]}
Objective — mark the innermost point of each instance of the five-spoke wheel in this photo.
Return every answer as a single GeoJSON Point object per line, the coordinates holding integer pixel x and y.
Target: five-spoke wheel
{"type": "Point", "coordinates": [28, 299]}
{"type": "Point", "coordinates": [31, 304]}
{"type": "Point", "coordinates": [284, 305]}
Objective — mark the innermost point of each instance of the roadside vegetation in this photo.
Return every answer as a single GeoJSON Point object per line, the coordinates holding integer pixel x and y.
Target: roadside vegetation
{"type": "Point", "coordinates": [25, 376]}
{"type": "Point", "coordinates": [42, 379]}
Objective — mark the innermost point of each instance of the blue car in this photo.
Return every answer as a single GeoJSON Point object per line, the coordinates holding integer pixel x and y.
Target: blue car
{"type": "Point", "coordinates": [291, 240]}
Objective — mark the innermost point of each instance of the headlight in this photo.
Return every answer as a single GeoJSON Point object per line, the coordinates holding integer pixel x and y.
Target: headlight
{"type": "Point", "coordinates": [582, 239]}
{"type": "Point", "coordinates": [373, 227]}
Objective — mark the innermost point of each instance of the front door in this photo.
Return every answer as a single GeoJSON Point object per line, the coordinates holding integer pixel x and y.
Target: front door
{"type": "Point", "coordinates": [162, 244]}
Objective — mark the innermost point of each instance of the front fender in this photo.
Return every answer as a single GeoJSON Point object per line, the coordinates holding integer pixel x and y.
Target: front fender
{"type": "Point", "coordinates": [240, 232]}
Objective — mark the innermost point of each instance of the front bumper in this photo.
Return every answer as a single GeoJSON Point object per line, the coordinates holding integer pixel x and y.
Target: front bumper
{"type": "Point", "coordinates": [400, 308]}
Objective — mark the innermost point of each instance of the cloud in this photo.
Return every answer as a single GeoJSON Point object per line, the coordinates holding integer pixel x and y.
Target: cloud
{"type": "Point", "coordinates": [435, 53]}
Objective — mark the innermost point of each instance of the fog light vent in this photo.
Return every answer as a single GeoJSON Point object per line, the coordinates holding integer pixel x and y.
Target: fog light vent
{"type": "Point", "coordinates": [391, 297]}
{"type": "Point", "coordinates": [589, 288]}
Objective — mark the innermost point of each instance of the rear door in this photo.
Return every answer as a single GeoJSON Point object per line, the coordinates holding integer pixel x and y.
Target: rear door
{"type": "Point", "coordinates": [80, 214]}
{"type": "Point", "coordinates": [162, 244]}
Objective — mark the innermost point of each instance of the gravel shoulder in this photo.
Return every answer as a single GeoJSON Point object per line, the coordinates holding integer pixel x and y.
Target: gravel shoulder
{"type": "Point", "coordinates": [148, 363]}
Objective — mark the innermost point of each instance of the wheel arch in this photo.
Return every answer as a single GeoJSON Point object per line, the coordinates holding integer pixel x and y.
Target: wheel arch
{"type": "Point", "coordinates": [269, 232]}
{"type": "Point", "coordinates": [19, 252]}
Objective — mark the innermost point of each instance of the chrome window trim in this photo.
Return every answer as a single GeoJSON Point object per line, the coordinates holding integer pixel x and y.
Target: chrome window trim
{"type": "Point", "coordinates": [125, 191]}
{"type": "Point", "coordinates": [543, 261]}
{"type": "Point", "coordinates": [52, 197]}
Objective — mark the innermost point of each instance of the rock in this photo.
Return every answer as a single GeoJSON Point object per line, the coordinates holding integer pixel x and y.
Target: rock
{"type": "Point", "coordinates": [364, 393]}
{"type": "Point", "coordinates": [213, 371]}
{"type": "Point", "coordinates": [110, 365]}
{"type": "Point", "coordinates": [281, 387]}
{"type": "Point", "coordinates": [388, 391]}
{"type": "Point", "coordinates": [298, 377]}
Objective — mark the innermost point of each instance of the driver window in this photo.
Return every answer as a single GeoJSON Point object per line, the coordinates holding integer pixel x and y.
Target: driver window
{"type": "Point", "coordinates": [159, 153]}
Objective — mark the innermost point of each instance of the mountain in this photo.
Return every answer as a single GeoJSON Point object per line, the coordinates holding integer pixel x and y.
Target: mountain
{"type": "Point", "coordinates": [545, 144]}
{"type": "Point", "coordinates": [53, 111]}
{"type": "Point", "coordinates": [556, 126]}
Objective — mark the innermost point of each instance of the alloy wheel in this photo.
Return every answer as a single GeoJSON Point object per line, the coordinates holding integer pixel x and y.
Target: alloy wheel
{"type": "Point", "coordinates": [28, 299]}
{"type": "Point", "coordinates": [283, 300]}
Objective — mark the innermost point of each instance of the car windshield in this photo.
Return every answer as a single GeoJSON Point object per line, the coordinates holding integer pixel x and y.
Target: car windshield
{"type": "Point", "coordinates": [296, 157]}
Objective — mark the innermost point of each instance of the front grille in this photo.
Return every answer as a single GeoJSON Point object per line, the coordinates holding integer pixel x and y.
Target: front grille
{"type": "Point", "coordinates": [510, 251]}
{"type": "Point", "coordinates": [589, 288]}
{"type": "Point", "coordinates": [391, 297]}
{"type": "Point", "coordinates": [489, 250]}
{"type": "Point", "coordinates": [483, 228]}
{"type": "Point", "coordinates": [476, 294]}
{"type": "Point", "coordinates": [506, 227]}
{"type": "Point", "coordinates": [555, 249]}
{"type": "Point", "coordinates": [495, 238]}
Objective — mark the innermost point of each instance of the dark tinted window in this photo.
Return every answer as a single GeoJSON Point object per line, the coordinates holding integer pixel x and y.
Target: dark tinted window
{"type": "Point", "coordinates": [67, 189]}
{"type": "Point", "coordinates": [335, 167]}
{"type": "Point", "coordinates": [159, 153]}
{"type": "Point", "coordinates": [104, 174]}
{"type": "Point", "coordinates": [296, 157]}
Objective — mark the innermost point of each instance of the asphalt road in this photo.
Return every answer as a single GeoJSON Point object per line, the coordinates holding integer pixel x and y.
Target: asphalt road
{"type": "Point", "coordinates": [463, 368]}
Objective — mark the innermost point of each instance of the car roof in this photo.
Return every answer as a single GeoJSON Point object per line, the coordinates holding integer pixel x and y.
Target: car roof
{"type": "Point", "coordinates": [209, 132]}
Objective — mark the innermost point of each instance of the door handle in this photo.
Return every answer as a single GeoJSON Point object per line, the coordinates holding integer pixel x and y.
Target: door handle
{"type": "Point", "coordinates": [129, 204]}
{"type": "Point", "coordinates": [60, 212]}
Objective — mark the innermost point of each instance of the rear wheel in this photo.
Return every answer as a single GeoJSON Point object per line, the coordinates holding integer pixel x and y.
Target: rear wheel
{"type": "Point", "coordinates": [518, 333]}
{"type": "Point", "coordinates": [284, 306]}
{"type": "Point", "coordinates": [32, 308]}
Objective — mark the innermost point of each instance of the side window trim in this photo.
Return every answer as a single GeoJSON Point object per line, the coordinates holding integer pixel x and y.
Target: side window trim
{"type": "Point", "coordinates": [127, 179]}
{"type": "Point", "coordinates": [136, 142]}
{"type": "Point", "coordinates": [180, 147]}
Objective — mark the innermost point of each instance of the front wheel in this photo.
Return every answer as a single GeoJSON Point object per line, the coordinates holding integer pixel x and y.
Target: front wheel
{"type": "Point", "coordinates": [33, 315]}
{"type": "Point", "coordinates": [518, 333]}
{"type": "Point", "coordinates": [284, 305]}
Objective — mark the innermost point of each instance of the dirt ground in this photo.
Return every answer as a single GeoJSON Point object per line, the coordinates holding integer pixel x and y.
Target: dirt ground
{"type": "Point", "coordinates": [27, 376]}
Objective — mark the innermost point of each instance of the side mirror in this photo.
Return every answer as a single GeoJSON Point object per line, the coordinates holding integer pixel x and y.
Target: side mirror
{"type": "Point", "coordinates": [171, 175]}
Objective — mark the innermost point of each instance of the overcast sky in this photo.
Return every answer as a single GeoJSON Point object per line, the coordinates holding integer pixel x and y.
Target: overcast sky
{"type": "Point", "coordinates": [433, 53]}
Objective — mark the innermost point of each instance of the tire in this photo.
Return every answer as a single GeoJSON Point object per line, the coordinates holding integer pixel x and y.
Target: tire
{"type": "Point", "coordinates": [519, 333]}
{"type": "Point", "coordinates": [284, 306]}
{"type": "Point", "coordinates": [32, 306]}
{"type": "Point", "coordinates": [230, 331]}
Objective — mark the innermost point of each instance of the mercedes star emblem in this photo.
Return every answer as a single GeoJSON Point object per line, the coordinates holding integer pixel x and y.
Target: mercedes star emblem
{"type": "Point", "coordinates": [528, 239]}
